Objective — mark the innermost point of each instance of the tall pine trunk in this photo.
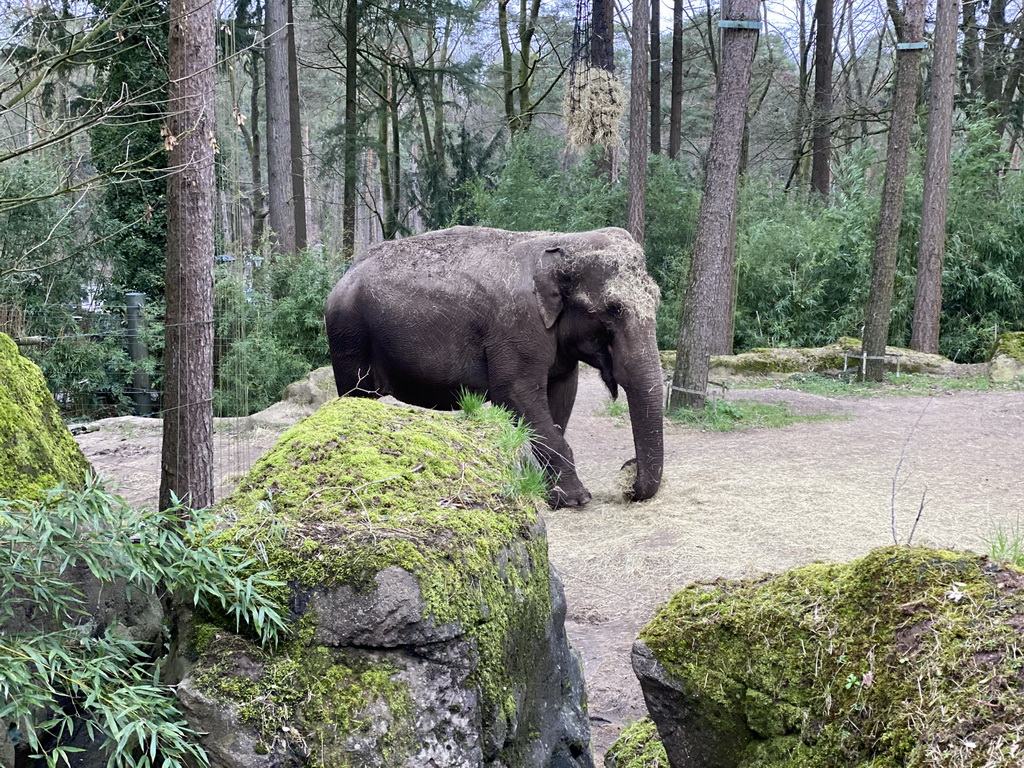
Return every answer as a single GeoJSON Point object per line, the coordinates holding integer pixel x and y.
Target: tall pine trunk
{"type": "Point", "coordinates": [821, 136]}
{"type": "Point", "coordinates": [708, 293]}
{"type": "Point", "coordinates": [638, 122]}
{"type": "Point", "coordinates": [655, 77]}
{"type": "Point", "coordinates": [351, 170]}
{"type": "Point", "coordinates": [931, 255]}
{"type": "Point", "coordinates": [279, 137]}
{"type": "Point", "coordinates": [259, 198]}
{"type": "Point", "coordinates": [675, 116]}
{"type": "Point", "coordinates": [295, 136]}
{"type": "Point", "coordinates": [602, 56]}
{"type": "Point", "coordinates": [186, 464]}
{"type": "Point", "coordinates": [877, 314]}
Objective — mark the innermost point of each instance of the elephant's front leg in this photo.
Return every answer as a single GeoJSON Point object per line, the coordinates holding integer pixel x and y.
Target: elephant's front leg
{"type": "Point", "coordinates": [549, 445]}
{"type": "Point", "coordinates": [562, 397]}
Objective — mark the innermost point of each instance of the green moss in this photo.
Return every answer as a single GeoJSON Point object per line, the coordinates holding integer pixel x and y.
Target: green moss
{"type": "Point", "coordinates": [37, 452]}
{"type": "Point", "coordinates": [765, 361]}
{"type": "Point", "coordinates": [1011, 345]}
{"type": "Point", "coordinates": [361, 486]}
{"type": "Point", "coordinates": [638, 746]}
{"type": "Point", "coordinates": [201, 637]}
{"type": "Point", "coordinates": [310, 695]}
{"type": "Point", "coordinates": [898, 659]}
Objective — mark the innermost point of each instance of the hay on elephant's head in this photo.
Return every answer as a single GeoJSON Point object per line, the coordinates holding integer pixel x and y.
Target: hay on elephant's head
{"type": "Point", "coordinates": [594, 105]}
{"type": "Point", "coordinates": [618, 256]}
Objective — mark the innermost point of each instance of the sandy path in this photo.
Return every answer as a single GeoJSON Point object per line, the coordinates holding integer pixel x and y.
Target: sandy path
{"type": "Point", "coordinates": [732, 505]}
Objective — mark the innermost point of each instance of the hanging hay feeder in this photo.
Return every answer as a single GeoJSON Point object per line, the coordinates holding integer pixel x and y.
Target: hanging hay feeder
{"type": "Point", "coordinates": [595, 103]}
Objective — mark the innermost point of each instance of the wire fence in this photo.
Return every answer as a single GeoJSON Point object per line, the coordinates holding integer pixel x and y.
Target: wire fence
{"type": "Point", "coordinates": [106, 359]}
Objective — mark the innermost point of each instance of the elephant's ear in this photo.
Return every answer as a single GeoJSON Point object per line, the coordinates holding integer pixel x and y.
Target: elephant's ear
{"type": "Point", "coordinates": [547, 286]}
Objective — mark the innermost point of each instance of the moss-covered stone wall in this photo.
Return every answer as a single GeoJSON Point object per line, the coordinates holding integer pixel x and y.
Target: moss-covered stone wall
{"type": "Point", "coordinates": [37, 452]}
{"type": "Point", "coordinates": [1011, 345]}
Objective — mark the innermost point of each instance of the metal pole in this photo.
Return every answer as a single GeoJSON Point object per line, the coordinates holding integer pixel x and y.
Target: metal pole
{"type": "Point", "coordinates": [137, 352]}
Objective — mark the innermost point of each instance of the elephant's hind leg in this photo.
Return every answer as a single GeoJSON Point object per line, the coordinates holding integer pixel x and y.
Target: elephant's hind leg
{"type": "Point", "coordinates": [355, 380]}
{"type": "Point", "coordinates": [351, 361]}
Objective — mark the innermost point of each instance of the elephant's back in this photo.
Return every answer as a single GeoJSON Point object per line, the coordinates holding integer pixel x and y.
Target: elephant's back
{"type": "Point", "coordinates": [446, 252]}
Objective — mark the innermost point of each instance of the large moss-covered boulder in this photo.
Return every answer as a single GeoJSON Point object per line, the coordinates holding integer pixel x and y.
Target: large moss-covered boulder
{"type": "Point", "coordinates": [427, 623]}
{"type": "Point", "coordinates": [37, 452]}
{"type": "Point", "coordinates": [907, 657]}
{"type": "Point", "coordinates": [1007, 362]}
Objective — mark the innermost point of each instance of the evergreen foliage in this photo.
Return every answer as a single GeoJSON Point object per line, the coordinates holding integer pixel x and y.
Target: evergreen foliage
{"type": "Point", "coordinates": [37, 231]}
{"type": "Point", "coordinates": [130, 219]}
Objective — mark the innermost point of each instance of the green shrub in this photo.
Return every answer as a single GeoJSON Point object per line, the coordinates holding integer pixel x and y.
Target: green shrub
{"type": "Point", "coordinates": [269, 327]}
{"type": "Point", "coordinates": [803, 270]}
{"type": "Point", "coordinates": [66, 668]}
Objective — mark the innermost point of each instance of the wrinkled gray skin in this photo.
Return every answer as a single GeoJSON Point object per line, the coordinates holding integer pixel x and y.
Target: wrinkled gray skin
{"type": "Point", "coordinates": [509, 315]}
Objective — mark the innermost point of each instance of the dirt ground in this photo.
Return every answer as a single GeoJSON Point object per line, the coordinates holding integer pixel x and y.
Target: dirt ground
{"type": "Point", "coordinates": [732, 505]}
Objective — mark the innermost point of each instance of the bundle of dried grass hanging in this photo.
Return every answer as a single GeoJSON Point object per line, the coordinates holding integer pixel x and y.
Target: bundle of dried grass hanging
{"type": "Point", "coordinates": [594, 105]}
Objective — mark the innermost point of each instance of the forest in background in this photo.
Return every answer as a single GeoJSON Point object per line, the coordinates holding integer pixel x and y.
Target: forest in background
{"type": "Point", "coordinates": [414, 116]}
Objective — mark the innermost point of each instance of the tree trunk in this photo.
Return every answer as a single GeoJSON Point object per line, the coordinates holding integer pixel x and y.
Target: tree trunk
{"type": "Point", "coordinates": [259, 198]}
{"type": "Point", "coordinates": [798, 170]}
{"type": "Point", "coordinates": [507, 73]}
{"type": "Point", "coordinates": [348, 211]}
{"type": "Point", "coordinates": [655, 77]}
{"type": "Point", "coordinates": [675, 117]}
{"type": "Point", "coordinates": [279, 139]}
{"type": "Point", "coordinates": [186, 466]}
{"type": "Point", "coordinates": [638, 122]}
{"type": "Point", "coordinates": [928, 294]}
{"type": "Point", "coordinates": [708, 299]}
{"type": "Point", "coordinates": [396, 156]}
{"type": "Point", "coordinates": [295, 131]}
{"type": "Point", "coordinates": [910, 29]}
{"type": "Point", "coordinates": [527, 29]}
{"type": "Point", "coordinates": [970, 75]}
{"type": "Point", "coordinates": [602, 35]}
{"type": "Point", "coordinates": [602, 56]}
{"type": "Point", "coordinates": [821, 138]}
{"type": "Point", "coordinates": [385, 170]}
{"type": "Point", "coordinates": [993, 55]}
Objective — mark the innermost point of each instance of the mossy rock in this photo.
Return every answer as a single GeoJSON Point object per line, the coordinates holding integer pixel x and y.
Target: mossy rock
{"type": "Point", "coordinates": [907, 657]}
{"type": "Point", "coordinates": [37, 452]}
{"type": "Point", "coordinates": [782, 362]}
{"type": "Point", "coordinates": [1006, 363]}
{"type": "Point", "coordinates": [391, 529]}
{"type": "Point", "coordinates": [638, 746]}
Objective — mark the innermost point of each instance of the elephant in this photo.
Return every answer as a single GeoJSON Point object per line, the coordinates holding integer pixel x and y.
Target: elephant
{"type": "Point", "coordinates": [509, 315]}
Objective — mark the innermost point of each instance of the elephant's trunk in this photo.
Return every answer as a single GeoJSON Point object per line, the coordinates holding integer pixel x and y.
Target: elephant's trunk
{"type": "Point", "coordinates": [638, 369]}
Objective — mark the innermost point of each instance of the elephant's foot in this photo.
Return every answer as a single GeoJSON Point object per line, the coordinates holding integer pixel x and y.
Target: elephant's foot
{"type": "Point", "coordinates": [631, 482]}
{"type": "Point", "coordinates": [562, 496]}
